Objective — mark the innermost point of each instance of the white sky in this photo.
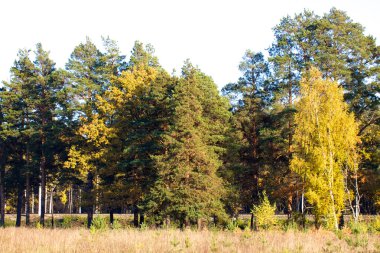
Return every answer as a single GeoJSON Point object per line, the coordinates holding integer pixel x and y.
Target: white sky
{"type": "Point", "coordinates": [213, 34]}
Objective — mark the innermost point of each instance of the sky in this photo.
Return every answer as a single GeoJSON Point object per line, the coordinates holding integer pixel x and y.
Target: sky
{"type": "Point", "coordinates": [213, 34]}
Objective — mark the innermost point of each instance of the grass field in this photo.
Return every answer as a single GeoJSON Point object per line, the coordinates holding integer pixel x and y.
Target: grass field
{"type": "Point", "coordinates": [137, 240]}
{"type": "Point", "coordinates": [70, 235]}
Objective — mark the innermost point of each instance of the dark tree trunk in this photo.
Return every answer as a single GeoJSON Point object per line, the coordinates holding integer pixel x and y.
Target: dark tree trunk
{"type": "Point", "coordinates": [142, 218]}
{"type": "Point", "coordinates": [317, 222]}
{"type": "Point", "coordinates": [215, 220]}
{"type": "Point", "coordinates": [43, 188]}
{"type": "Point", "coordinates": [20, 190]}
{"type": "Point", "coordinates": [252, 222]}
{"type": "Point", "coordinates": [2, 192]}
{"type": "Point", "coordinates": [19, 203]}
{"type": "Point", "coordinates": [135, 216]}
{"type": "Point", "coordinates": [2, 198]}
{"type": "Point", "coordinates": [27, 190]}
{"type": "Point", "coordinates": [52, 208]}
{"type": "Point", "coordinates": [111, 217]}
{"type": "Point", "coordinates": [341, 220]}
{"type": "Point", "coordinates": [27, 199]}
{"type": "Point", "coordinates": [89, 198]}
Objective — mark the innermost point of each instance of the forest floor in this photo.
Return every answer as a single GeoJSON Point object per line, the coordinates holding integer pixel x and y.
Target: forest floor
{"type": "Point", "coordinates": [168, 240]}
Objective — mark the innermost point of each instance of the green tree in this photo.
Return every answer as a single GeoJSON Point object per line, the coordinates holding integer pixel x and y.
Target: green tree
{"type": "Point", "coordinates": [17, 105]}
{"type": "Point", "coordinates": [250, 97]}
{"type": "Point", "coordinates": [88, 80]}
{"type": "Point", "coordinates": [188, 187]}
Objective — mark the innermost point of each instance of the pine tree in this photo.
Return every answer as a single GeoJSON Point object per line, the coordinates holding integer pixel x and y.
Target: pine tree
{"type": "Point", "coordinates": [188, 187]}
{"type": "Point", "coordinates": [139, 99]}
{"type": "Point", "coordinates": [250, 97]}
{"type": "Point", "coordinates": [91, 73]}
{"type": "Point", "coordinates": [17, 110]}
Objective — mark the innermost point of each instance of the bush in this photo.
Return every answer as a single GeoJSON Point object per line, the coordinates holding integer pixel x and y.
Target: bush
{"type": "Point", "coordinates": [232, 225]}
{"type": "Point", "coordinates": [242, 224]}
{"type": "Point", "coordinates": [116, 224]}
{"type": "Point", "coordinates": [289, 225]}
{"type": "Point", "coordinates": [374, 226]}
{"type": "Point", "coordinates": [358, 227]}
{"type": "Point", "coordinates": [38, 225]}
{"type": "Point", "coordinates": [66, 222]}
{"type": "Point", "coordinates": [264, 213]}
{"type": "Point", "coordinates": [98, 223]}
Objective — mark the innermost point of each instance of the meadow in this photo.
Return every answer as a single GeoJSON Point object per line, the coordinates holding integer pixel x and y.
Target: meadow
{"type": "Point", "coordinates": [70, 236]}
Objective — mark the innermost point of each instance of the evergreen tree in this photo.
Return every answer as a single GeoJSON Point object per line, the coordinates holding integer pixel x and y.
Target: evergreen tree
{"type": "Point", "coordinates": [86, 67]}
{"type": "Point", "coordinates": [17, 114]}
{"type": "Point", "coordinates": [188, 187]}
{"type": "Point", "coordinates": [250, 97]}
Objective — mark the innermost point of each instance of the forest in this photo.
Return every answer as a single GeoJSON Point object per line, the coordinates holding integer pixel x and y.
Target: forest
{"type": "Point", "coordinates": [297, 133]}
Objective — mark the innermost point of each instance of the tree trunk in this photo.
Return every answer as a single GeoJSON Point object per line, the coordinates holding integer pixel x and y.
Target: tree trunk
{"type": "Point", "coordinates": [43, 188]}
{"type": "Point", "coordinates": [135, 215]}
{"type": "Point", "coordinates": [27, 199]}
{"type": "Point", "coordinates": [2, 199]}
{"type": "Point", "coordinates": [2, 192]}
{"type": "Point", "coordinates": [289, 205]}
{"type": "Point", "coordinates": [252, 222]}
{"type": "Point", "coordinates": [20, 190]}
{"type": "Point", "coordinates": [46, 200]}
{"type": "Point", "coordinates": [111, 217]}
{"type": "Point", "coordinates": [27, 186]}
{"type": "Point", "coordinates": [51, 201]}
{"type": "Point", "coordinates": [32, 208]}
{"type": "Point", "coordinates": [52, 207]}
{"type": "Point", "coordinates": [71, 200]}
{"type": "Point", "coordinates": [341, 220]}
{"type": "Point", "coordinates": [317, 221]}
{"type": "Point", "coordinates": [303, 210]}
{"type": "Point", "coordinates": [80, 201]}
{"type": "Point", "coordinates": [89, 198]}
{"type": "Point", "coordinates": [39, 199]}
{"type": "Point", "coordinates": [19, 203]}
{"type": "Point", "coordinates": [142, 218]}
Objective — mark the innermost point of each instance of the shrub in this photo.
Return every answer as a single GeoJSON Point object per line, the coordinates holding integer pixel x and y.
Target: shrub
{"type": "Point", "coordinates": [242, 224]}
{"type": "Point", "coordinates": [116, 224]}
{"type": "Point", "coordinates": [374, 226]}
{"type": "Point", "coordinates": [66, 222]}
{"type": "Point", "coordinates": [289, 225]}
{"type": "Point", "coordinates": [264, 213]}
{"type": "Point", "coordinates": [38, 225]}
{"type": "Point", "coordinates": [98, 223]}
{"type": "Point", "coordinates": [232, 225]}
{"type": "Point", "coordinates": [358, 227]}
{"type": "Point", "coordinates": [144, 226]}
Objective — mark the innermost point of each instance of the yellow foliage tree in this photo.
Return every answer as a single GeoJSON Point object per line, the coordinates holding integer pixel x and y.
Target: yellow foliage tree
{"type": "Point", "coordinates": [104, 131]}
{"type": "Point", "coordinates": [325, 144]}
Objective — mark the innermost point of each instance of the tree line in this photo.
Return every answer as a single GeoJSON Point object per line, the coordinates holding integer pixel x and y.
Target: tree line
{"type": "Point", "coordinates": [107, 134]}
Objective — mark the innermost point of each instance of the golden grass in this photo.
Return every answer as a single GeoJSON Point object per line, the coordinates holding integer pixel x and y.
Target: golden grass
{"type": "Point", "coordinates": [132, 240]}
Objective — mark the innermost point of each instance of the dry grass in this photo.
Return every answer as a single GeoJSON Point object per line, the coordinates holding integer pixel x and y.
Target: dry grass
{"type": "Point", "coordinates": [132, 240]}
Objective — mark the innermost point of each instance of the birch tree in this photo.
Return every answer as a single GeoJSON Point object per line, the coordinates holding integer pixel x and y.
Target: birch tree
{"type": "Point", "coordinates": [326, 136]}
